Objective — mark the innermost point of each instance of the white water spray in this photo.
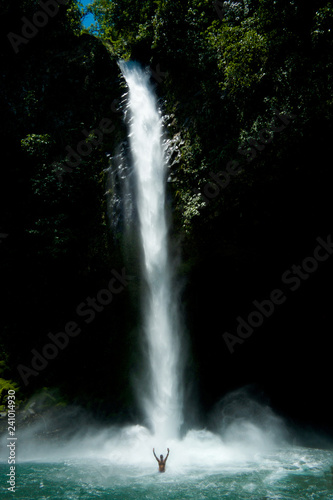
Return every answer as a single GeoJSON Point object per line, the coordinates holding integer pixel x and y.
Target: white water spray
{"type": "Point", "coordinates": [162, 399]}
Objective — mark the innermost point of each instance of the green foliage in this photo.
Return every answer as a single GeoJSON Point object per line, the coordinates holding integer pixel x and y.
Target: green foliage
{"type": "Point", "coordinates": [242, 54]}
{"type": "Point", "coordinates": [121, 24]}
{"type": "Point", "coordinates": [5, 386]}
{"type": "Point", "coordinates": [322, 30]}
{"type": "Point", "coordinates": [36, 145]}
{"type": "Point", "coordinates": [74, 15]}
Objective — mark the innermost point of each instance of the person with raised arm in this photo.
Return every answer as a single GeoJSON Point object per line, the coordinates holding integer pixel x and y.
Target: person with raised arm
{"type": "Point", "coordinates": [161, 461]}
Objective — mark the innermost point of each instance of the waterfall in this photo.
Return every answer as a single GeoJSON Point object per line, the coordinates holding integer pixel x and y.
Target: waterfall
{"type": "Point", "coordinates": [160, 398]}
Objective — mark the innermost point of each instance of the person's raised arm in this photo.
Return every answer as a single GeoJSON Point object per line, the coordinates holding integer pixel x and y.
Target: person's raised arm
{"type": "Point", "coordinates": [167, 455]}
{"type": "Point", "coordinates": [155, 455]}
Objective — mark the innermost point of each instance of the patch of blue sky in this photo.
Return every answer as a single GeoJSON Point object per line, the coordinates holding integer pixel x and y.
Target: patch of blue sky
{"type": "Point", "coordinates": [89, 18]}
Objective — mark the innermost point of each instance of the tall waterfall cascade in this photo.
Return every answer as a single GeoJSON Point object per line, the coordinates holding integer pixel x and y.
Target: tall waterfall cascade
{"type": "Point", "coordinates": [161, 399]}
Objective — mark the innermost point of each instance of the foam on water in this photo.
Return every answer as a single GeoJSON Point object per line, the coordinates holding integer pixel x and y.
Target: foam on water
{"type": "Point", "coordinates": [249, 459]}
{"type": "Point", "coordinates": [250, 430]}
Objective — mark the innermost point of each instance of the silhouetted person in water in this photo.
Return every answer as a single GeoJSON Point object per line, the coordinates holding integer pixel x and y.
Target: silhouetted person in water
{"type": "Point", "coordinates": [161, 461]}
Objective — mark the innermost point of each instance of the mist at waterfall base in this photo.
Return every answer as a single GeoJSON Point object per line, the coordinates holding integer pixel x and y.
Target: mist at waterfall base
{"type": "Point", "coordinates": [250, 455]}
{"type": "Point", "coordinates": [246, 451]}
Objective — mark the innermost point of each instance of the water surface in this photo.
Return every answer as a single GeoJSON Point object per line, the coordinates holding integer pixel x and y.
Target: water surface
{"type": "Point", "coordinates": [119, 465]}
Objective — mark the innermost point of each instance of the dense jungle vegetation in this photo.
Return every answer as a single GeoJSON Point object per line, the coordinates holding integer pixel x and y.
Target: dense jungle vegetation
{"type": "Point", "coordinates": [246, 90]}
